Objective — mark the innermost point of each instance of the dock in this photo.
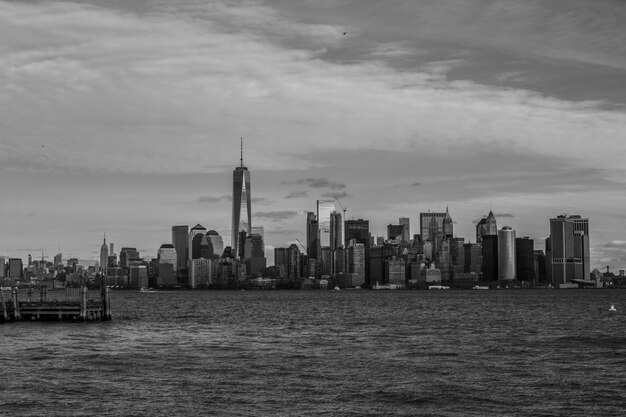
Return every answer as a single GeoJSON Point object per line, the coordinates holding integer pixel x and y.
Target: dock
{"type": "Point", "coordinates": [72, 304]}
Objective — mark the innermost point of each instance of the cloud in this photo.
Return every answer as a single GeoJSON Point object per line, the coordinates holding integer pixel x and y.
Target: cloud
{"type": "Point", "coordinates": [261, 201]}
{"type": "Point", "coordinates": [416, 184]}
{"type": "Point", "coordinates": [321, 183]}
{"type": "Point", "coordinates": [212, 199]}
{"type": "Point", "coordinates": [335, 195]}
{"type": "Point", "coordinates": [297, 194]}
{"type": "Point", "coordinates": [276, 216]}
{"type": "Point", "coordinates": [504, 215]}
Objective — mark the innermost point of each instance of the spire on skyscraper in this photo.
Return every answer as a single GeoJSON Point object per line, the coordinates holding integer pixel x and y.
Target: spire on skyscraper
{"type": "Point", "coordinates": [241, 159]}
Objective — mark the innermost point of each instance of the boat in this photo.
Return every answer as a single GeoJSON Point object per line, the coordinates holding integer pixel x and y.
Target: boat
{"type": "Point", "coordinates": [336, 288]}
{"type": "Point", "coordinates": [480, 287]}
{"type": "Point", "coordinates": [612, 308]}
{"type": "Point", "coordinates": [438, 287]}
{"type": "Point", "coordinates": [386, 286]}
{"type": "Point", "coordinates": [146, 289]}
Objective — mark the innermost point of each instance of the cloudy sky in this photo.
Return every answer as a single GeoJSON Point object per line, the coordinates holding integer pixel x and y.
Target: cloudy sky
{"type": "Point", "coordinates": [125, 116]}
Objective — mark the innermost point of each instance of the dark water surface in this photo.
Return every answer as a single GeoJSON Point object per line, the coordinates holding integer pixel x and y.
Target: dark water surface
{"type": "Point", "coordinates": [335, 353]}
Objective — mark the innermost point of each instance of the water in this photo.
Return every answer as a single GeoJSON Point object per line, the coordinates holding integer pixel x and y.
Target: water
{"type": "Point", "coordinates": [332, 353]}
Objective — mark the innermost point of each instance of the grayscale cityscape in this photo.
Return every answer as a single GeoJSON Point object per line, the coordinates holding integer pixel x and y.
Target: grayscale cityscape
{"type": "Point", "coordinates": [312, 208]}
{"type": "Point", "coordinates": [336, 253]}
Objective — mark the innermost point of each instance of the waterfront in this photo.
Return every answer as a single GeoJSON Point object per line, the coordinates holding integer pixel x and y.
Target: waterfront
{"type": "Point", "coordinates": [305, 353]}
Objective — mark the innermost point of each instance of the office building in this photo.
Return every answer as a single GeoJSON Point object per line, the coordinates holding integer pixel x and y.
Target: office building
{"type": "Point", "coordinates": [395, 232]}
{"type": "Point", "coordinates": [242, 211]}
{"type": "Point", "coordinates": [525, 259]}
{"type": "Point", "coordinates": [570, 253]}
{"type": "Point", "coordinates": [395, 271]}
{"type": "Point", "coordinates": [486, 226]}
{"type": "Point", "coordinates": [405, 222]}
{"type": "Point", "coordinates": [324, 210]}
{"type": "Point", "coordinates": [216, 244]}
{"type": "Point", "coordinates": [359, 230]}
{"type": "Point", "coordinates": [506, 254]}
{"type": "Point", "coordinates": [16, 268]}
{"type": "Point", "coordinates": [489, 247]}
{"type": "Point", "coordinates": [356, 262]}
{"type": "Point", "coordinates": [180, 236]}
{"type": "Point", "coordinates": [254, 255]}
{"type": "Point", "coordinates": [167, 261]}
{"type": "Point", "coordinates": [104, 256]}
{"type": "Point", "coordinates": [127, 255]}
{"type": "Point", "coordinates": [312, 238]}
{"type": "Point", "coordinates": [3, 267]}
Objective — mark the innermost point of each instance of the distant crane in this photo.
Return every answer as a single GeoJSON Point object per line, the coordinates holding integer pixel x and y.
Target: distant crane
{"type": "Point", "coordinates": [303, 247]}
{"type": "Point", "coordinates": [342, 207]}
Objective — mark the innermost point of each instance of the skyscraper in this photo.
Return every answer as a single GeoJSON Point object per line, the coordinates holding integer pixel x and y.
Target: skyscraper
{"type": "Point", "coordinates": [324, 210]}
{"type": "Point", "coordinates": [180, 236]}
{"type": "Point", "coordinates": [486, 226]}
{"type": "Point", "coordinates": [405, 222]}
{"type": "Point", "coordinates": [312, 238]}
{"type": "Point", "coordinates": [506, 254]}
{"type": "Point", "coordinates": [242, 212]}
{"type": "Point", "coordinates": [569, 241]}
{"type": "Point", "coordinates": [525, 259]}
{"type": "Point", "coordinates": [104, 256]}
{"type": "Point", "coordinates": [359, 230]}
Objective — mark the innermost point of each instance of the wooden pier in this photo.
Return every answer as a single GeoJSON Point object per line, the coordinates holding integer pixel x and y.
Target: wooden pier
{"type": "Point", "coordinates": [74, 306]}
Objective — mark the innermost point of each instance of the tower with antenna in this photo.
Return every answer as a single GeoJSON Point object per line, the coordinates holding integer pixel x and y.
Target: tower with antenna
{"type": "Point", "coordinates": [242, 211]}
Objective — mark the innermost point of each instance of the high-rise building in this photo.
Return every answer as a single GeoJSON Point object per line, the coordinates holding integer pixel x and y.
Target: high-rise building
{"type": "Point", "coordinates": [486, 226]}
{"type": "Point", "coordinates": [216, 242]}
{"type": "Point", "coordinates": [196, 234]}
{"type": "Point", "coordinates": [58, 259]}
{"type": "Point", "coordinates": [427, 225]}
{"type": "Point", "coordinates": [473, 258]}
{"type": "Point", "coordinates": [356, 262]}
{"type": "Point", "coordinates": [254, 255]}
{"type": "Point", "coordinates": [359, 230]}
{"type": "Point", "coordinates": [167, 261]}
{"type": "Point", "coordinates": [2, 267]}
{"type": "Point", "coordinates": [242, 211]}
{"type": "Point", "coordinates": [395, 232]}
{"type": "Point", "coordinates": [312, 238]}
{"type": "Point", "coordinates": [127, 255]}
{"type": "Point", "coordinates": [525, 259]}
{"type": "Point", "coordinates": [180, 236]}
{"type": "Point", "coordinates": [16, 268]}
{"type": "Point", "coordinates": [569, 240]}
{"type": "Point", "coordinates": [395, 271]}
{"type": "Point", "coordinates": [506, 254]}
{"type": "Point", "coordinates": [405, 222]}
{"type": "Point", "coordinates": [489, 247]}
{"type": "Point", "coordinates": [324, 210]}
{"type": "Point", "coordinates": [104, 256]}
{"type": "Point", "coordinates": [336, 230]}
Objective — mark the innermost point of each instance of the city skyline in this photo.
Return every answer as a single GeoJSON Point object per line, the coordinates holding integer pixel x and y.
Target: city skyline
{"type": "Point", "coordinates": [418, 106]}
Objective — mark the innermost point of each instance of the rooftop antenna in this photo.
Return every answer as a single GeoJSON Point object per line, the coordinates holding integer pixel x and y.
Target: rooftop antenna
{"type": "Point", "coordinates": [241, 152]}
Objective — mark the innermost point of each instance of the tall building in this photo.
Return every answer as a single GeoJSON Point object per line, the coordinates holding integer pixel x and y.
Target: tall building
{"type": "Point", "coordinates": [525, 259]}
{"type": "Point", "coordinates": [242, 211]}
{"type": "Point", "coordinates": [427, 224]}
{"type": "Point", "coordinates": [254, 254]}
{"type": "Point", "coordinates": [127, 255]}
{"type": "Point", "coordinates": [490, 257]}
{"type": "Point", "coordinates": [486, 226]}
{"type": "Point", "coordinates": [405, 222]}
{"type": "Point", "coordinates": [180, 236]}
{"type": "Point", "coordinates": [324, 210]}
{"type": "Point", "coordinates": [312, 235]}
{"type": "Point", "coordinates": [359, 230]}
{"type": "Point", "coordinates": [569, 241]}
{"type": "Point", "coordinates": [2, 267]}
{"type": "Point", "coordinates": [16, 268]}
{"type": "Point", "coordinates": [356, 262]}
{"type": "Point", "coordinates": [104, 256]}
{"type": "Point", "coordinates": [216, 242]}
{"type": "Point", "coordinates": [506, 254]}
{"type": "Point", "coordinates": [196, 236]}
{"type": "Point", "coordinates": [395, 232]}
{"type": "Point", "coordinates": [58, 259]}
{"type": "Point", "coordinates": [336, 231]}
{"type": "Point", "coordinates": [259, 230]}
{"type": "Point", "coordinates": [167, 261]}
